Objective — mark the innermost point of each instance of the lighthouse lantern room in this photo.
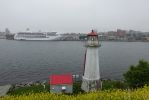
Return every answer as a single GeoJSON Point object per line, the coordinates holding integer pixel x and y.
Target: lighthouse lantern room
{"type": "Point", "coordinates": [91, 75]}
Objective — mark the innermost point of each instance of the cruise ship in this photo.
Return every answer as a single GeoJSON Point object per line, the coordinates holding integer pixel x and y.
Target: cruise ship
{"type": "Point", "coordinates": [37, 36]}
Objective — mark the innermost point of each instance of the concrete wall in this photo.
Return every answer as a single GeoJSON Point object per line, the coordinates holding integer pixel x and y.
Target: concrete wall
{"type": "Point", "coordinates": [58, 88]}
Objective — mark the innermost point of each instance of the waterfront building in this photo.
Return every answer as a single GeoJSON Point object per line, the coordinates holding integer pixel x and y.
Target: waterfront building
{"type": "Point", "coordinates": [2, 35]}
{"type": "Point", "coordinates": [91, 75]}
{"type": "Point", "coordinates": [7, 31]}
{"type": "Point", "coordinates": [61, 83]}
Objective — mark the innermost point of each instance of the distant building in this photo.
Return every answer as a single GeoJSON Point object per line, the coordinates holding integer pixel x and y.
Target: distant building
{"type": "Point", "coordinates": [61, 83]}
{"type": "Point", "coordinates": [145, 39]}
{"type": "Point", "coordinates": [10, 36]}
{"type": "Point", "coordinates": [120, 33]}
{"type": "Point", "coordinates": [83, 37]}
{"type": "Point", "coordinates": [2, 35]}
{"type": "Point", "coordinates": [7, 31]}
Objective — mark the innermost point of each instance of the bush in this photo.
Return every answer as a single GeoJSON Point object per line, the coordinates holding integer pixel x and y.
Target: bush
{"type": "Point", "coordinates": [28, 90]}
{"type": "Point", "coordinates": [111, 84]}
{"type": "Point", "coordinates": [77, 87]}
{"type": "Point", "coordinates": [137, 76]}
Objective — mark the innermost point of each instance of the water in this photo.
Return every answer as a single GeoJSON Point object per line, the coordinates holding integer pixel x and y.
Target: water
{"type": "Point", "coordinates": [22, 61]}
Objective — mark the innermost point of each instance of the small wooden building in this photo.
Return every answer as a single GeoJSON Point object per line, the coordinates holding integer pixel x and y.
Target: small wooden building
{"type": "Point", "coordinates": [61, 83]}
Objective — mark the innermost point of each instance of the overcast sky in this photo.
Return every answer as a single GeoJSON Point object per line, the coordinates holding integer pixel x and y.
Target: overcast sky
{"type": "Point", "coordinates": [74, 15]}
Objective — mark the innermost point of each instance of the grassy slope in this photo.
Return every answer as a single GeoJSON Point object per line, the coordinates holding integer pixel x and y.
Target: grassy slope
{"type": "Point", "coordinates": [107, 85]}
{"type": "Point", "coordinates": [28, 90]}
{"type": "Point", "coordinates": [138, 94]}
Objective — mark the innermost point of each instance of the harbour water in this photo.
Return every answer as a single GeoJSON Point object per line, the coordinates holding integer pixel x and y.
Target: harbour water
{"type": "Point", "coordinates": [22, 61]}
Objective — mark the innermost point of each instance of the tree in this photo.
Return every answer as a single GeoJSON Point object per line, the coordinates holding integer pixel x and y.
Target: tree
{"type": "Point", "coordinates": [137, 76]}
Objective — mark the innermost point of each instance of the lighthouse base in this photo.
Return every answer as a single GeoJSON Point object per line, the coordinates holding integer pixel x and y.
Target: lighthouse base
{"type": "Point", "coordinates": [90, 85]}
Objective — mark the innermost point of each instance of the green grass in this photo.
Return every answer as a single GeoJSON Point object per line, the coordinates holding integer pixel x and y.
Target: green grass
{"type": "Point", "coordinates": [32, 89]}
{"type": "Point", "coordinates": [107, 85]}
{"type": "Point", "coordinates": [110, 85]}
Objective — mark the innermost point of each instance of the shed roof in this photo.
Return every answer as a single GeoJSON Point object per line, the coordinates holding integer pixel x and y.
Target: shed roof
{"type": "Point", "coordinates": [61, 79]}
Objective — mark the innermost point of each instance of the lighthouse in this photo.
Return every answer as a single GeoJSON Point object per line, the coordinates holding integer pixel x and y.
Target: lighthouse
{"type": "Point", "coordinates": [91, 74]}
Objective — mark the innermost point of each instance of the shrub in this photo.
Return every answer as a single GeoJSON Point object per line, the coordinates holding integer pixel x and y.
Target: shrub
{"type": "Point", "coordinates": [137, 76]}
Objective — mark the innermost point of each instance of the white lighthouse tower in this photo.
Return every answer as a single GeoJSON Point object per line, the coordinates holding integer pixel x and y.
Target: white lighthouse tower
{"type": "Point", "coordinates": [91, 76]}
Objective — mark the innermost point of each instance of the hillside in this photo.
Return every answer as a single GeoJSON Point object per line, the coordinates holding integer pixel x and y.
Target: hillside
{"type": "Point", "coordinates": [137, 94]}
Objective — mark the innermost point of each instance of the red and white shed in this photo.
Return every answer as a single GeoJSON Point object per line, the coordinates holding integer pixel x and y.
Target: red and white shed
{"type": "Point", "coordinates": [61, 83]}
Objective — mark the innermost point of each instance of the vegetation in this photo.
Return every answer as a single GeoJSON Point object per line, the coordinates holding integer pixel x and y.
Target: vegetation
{"type": "Point", "coordinates": [137, 76]}
{"type": "Point", "coordinates": [137, 94]}
{"type": "Point", "coordinates": [107, 85]}
{"type": "Point", "coordinates": [77, 88]}
{"type": "Point", "coordinates": [28, 90]}
{"type": "Point", "coordinates": [110, 85]}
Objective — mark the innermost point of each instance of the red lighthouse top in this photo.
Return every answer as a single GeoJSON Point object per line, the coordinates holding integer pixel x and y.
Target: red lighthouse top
{"type": "Point", "coordinates": [93, 33]}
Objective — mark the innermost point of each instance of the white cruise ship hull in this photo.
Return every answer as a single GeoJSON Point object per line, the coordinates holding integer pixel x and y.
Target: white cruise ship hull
{"type": "Point", "coordinates": [32, 37]}
{"type": "Point", "coordinates": [37, 39]}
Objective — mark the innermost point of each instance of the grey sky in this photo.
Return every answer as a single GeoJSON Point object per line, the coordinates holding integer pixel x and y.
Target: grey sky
{"type": "Point", "coordinates": [74, 15]}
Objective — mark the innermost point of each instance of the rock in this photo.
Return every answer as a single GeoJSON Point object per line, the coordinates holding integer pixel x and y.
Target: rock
{"type": "Point", "coordinates": [4, 89]}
